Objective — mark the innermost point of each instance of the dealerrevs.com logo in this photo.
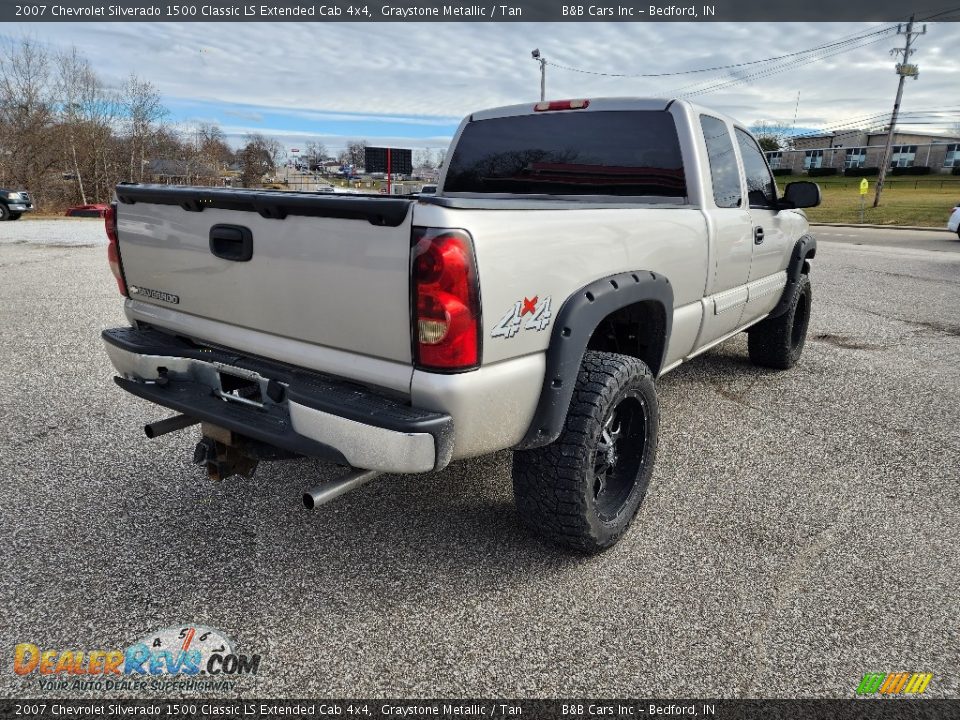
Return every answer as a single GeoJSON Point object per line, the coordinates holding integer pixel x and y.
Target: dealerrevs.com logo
{"type": "Point", "coordinates": [171, 658]}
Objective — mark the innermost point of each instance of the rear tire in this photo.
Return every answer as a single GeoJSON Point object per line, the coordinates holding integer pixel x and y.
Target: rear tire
{"type": "Point", "coordinates": [778, 342]}
{"type": "Point", "coordinates": [583, 490]}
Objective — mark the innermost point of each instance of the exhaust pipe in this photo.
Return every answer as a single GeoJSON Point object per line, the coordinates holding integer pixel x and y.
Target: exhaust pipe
{"type": "Point", "coordinates": [325, 492]}
{"type": "Point", "coordinates": [162, 427]}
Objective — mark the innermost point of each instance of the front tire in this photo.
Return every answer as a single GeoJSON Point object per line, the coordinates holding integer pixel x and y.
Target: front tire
{"type": "Point", "coordinates": [778, 342]}
{"type": "Point", "coordinates": [15, 216]}
{"type": "Point", "coordinates": [4, 213]}
{"type": "Point", "coordinates": [583, 490]}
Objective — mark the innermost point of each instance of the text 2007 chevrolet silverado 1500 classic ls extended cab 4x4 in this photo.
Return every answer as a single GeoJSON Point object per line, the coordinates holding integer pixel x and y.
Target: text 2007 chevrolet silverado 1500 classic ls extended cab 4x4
{"type": "Point", "coordinates": [576, 251]}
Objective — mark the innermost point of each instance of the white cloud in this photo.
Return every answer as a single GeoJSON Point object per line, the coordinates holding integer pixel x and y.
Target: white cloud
{"type": "Point", "coordinates": [445, 70]}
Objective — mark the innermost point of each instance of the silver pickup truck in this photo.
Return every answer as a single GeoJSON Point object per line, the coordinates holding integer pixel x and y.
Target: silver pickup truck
{"type": "Point", "coordinates": [574, 252]}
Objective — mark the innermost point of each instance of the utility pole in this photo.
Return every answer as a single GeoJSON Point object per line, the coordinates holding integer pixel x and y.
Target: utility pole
{"type": "Point", "coordinates": [543, 73]}
{"type": "Point", "coordinates": [904, 69]}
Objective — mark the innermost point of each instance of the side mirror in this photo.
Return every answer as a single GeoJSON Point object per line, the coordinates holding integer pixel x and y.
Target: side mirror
{"type": "Point", "coordinates": [800, 195]}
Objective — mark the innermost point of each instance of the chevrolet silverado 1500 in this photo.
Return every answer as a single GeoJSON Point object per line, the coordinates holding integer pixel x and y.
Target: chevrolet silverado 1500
{"type": "Point", "coordinates": [575, 251]}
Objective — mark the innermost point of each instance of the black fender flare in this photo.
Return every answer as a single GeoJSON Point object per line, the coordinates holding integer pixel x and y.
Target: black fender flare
{"type": "Point", "coordinates": [575, 323]}
{"type": "Point", "coordinates": [805, 248]}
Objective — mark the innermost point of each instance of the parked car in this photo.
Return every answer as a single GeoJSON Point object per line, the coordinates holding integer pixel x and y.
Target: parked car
{"type": "Point", "coordinates": [428, 190]}
{"type": "Point", "coordinates": [98, 210]}
{"type": "Point", "coordinates": [578, 251]}
{"type": "Point", "coordinates": [953, 224]}
{"type": "Point", "coordinates": [14, 203]}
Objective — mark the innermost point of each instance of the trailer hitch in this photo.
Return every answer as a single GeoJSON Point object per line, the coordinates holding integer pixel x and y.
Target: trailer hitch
{"type": "Point", "coordinates": [224, 454]}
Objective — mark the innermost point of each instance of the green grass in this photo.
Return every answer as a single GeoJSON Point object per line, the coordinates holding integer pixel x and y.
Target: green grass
{"type": "Point", "coordinates": [919, 200]}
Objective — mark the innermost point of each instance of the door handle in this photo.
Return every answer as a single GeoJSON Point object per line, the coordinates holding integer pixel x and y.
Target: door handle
{"type": "Point", "coordinates": [231, 242]}
{"type": "Point", "coordinates": [758, 235]}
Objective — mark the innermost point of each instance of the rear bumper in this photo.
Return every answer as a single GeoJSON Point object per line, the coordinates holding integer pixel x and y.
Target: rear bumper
{"type": "Point", "coordinates": [295, 409]}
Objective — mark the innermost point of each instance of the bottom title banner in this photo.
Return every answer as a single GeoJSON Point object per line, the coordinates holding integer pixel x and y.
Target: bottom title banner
{"type": "Point", "coordinates": [879, 709]}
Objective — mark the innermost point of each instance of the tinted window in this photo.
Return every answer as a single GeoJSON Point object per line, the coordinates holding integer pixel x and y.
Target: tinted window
{"type": "Point", "coordinates": [570, 153]}
{"type": "Point", "coordinates": [724, 172]}
{"type": "Point", "coordinates": [760, 187]}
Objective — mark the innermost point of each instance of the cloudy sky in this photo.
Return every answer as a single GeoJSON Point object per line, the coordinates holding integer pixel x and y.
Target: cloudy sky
{"type": "Point", "coordinates": [409, 84]}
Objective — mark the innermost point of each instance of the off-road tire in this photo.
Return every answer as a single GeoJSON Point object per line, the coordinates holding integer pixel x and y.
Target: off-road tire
{"type": "Point", "coordinates": [4, 212]}
{"type": "Point", "coordinates": [556, 486]}
{"type": "Point", "coordinates": [778, 342]}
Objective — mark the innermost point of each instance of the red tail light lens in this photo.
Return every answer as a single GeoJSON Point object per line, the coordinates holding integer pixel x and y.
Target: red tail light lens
{"type": "Point", "coordinates": [446, 300]}
{"type": "Point", "coordinates": [113, 248]}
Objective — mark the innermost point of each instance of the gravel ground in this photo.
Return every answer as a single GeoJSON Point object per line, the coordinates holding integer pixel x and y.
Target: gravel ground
{"type": "Point", "coordinates": [802, 528]}
{"type": "Point", "coordinates": [75, 232]}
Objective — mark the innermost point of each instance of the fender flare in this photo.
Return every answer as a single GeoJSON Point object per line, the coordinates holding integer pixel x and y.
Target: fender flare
{"type": "Point", "coordinates": [805, 248]}
{"type": "Point", "coordinates": [575, 323]}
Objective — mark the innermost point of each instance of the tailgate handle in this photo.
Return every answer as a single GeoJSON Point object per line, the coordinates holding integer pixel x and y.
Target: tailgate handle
{"type": "Point", "coordinates": [231, 242]}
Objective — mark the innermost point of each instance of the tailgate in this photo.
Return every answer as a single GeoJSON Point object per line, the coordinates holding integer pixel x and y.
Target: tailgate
{"type": "Point", "coordinates": [331, 270]}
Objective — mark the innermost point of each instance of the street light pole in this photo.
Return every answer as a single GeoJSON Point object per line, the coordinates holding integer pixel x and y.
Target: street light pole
{"type": "Point", "coordinates": [543, 73]}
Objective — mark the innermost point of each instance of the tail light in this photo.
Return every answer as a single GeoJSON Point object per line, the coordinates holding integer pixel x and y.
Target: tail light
{"type": "Point", "coordinates": [446, 300]}
{"type": "Point", "coordinates": [113, 248]}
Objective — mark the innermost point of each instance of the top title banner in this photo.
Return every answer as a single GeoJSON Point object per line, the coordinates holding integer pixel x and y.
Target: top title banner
{"type": "Point", "coordinates": [477, 11]}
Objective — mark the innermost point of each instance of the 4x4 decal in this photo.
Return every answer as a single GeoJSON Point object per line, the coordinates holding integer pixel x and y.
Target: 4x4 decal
{"type": "Point", "coordinates": [512, 322]}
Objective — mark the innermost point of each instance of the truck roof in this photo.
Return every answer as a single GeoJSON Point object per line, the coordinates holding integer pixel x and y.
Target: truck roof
{"type": "Point", "coordinates": [598, 105]}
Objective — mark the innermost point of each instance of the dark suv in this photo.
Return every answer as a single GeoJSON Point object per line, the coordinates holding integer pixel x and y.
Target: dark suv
{"type": "Point", "coordinates": [13, 203]}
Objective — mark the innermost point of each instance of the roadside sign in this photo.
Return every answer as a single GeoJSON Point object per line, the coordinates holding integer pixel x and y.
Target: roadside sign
{"type": "Point", "coordinates": [864, 186]}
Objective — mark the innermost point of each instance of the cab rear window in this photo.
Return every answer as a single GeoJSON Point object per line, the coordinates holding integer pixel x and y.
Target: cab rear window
{"type": "Point", "coordinates": [621, 153]}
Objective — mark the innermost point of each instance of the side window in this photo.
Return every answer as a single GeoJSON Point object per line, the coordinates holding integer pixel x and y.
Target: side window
{"type": "Point", "coordinates": [723, 164]}
{"type": "Point", "coordinates": [761, 190]}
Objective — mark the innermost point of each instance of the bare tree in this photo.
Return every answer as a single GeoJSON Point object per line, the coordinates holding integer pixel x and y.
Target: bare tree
{"type": "Point", "coordinates": [357, 153]}
{"type": "Point", "coordinates": [213, 146]}
{"type": "Point", "coordinates": [78, 92]}
{"type": "Point", "coordinates": [144, 111]}
{"type": "Point", "coordinates": [257, 158]}
{"type": "Point", "coordinates": [28, 146]}
{"type": "Point", "coordinates": [771, 135]}
{"type": "Point", "coordinates": [315, 153]}
{"type": "Point", "coordinates": [424, 159]}
{"type": "Point", "coordinates": [208, 153]}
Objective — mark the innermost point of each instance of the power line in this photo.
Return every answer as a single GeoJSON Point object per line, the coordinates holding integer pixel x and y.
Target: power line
{"type": "Point", "coordinates": [845, 46]}
{"type": "Point", "coordinates": [856, 123]}
{"type": "Point", "coordinates": [766, 72]}
{"type": "Point", "coordinates": [841, 41]}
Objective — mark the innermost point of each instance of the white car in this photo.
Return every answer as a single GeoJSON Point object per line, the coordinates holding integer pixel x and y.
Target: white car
{"type": "Point", "coordinates": [953, 224]}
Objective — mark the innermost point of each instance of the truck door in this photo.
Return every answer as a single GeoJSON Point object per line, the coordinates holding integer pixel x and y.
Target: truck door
{"type": "Point", "coordinates": [731, 238]}
{"type": "Point", "coordinates": [770, 241]}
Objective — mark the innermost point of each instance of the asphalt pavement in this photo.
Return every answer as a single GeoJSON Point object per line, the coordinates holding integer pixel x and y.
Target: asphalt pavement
{"type": "Point", "coordinates": [802, 528]}
{"type": "Point", "coordinates": [938, 240]}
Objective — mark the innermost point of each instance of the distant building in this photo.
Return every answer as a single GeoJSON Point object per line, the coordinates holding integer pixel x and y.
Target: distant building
{"type": "Point", "coordinates": [848, 149]}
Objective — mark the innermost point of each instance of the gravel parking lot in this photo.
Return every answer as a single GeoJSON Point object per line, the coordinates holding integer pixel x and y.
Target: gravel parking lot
{"type": "Point", "coordinates": [802, 528]}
